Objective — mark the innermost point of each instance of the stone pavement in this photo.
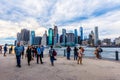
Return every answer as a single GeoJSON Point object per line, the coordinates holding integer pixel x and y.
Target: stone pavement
{"type": "Point", "coordinates": [92, 69]}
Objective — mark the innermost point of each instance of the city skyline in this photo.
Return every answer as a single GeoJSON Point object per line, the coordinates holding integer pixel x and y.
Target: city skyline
{"type": "Point", "coordinates": [41, 15]}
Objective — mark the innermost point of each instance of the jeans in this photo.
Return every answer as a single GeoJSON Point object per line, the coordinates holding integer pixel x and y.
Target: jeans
{"type": "Point", "coordinates": [68, 55]}
{"type": "Point", "coordinates": [52, 60]}
{"type": "Point", "coordinates": [75, 56]}
{"type": "Point", "coordinates": [39, 56]}
{"type": "Point", "coordinates": [18, 57]}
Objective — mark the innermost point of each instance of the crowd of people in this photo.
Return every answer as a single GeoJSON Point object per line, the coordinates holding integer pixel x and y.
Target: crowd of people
{"type": "Point", "coordinates": [33, 52]}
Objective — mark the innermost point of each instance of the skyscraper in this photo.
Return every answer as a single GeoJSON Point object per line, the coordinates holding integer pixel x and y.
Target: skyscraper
{"type": "Point", "coordinates": [50, 36]}
{"type": "Point", "coordinates": [76, 36]}
{"type": "Point", "coordinates": [25, 35]}
{"type": "Point", "coordinates": [63, 36]}
{"type": "Point", "coordinates": [32, 37]}
{"type": "Point", "coordinates": [55, 35]}
{"type": "Point", "coordinates": [81, 33]}
{"type": "Point", "coordinates": [96, 36]}
{"type": "Point", "coordinates": [44, 39]}
{"type": "Point", "coordinates": [70, 39]}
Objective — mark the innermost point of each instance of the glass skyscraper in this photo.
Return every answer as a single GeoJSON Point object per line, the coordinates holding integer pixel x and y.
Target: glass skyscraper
{"type": "Point", "coordinates": [50, 36]}
{"type": "Point", "coordinates": [32, 36]}
{"type": "Point", "coordinates": [81, 33]}
{"type": "Point", "coordinates": [76, 36]}
{"type": "Point", "coordinates": [96, 36]}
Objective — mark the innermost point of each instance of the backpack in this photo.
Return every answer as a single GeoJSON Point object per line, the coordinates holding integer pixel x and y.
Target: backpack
{"type": "Point", "coordinates": [100, 50]}
{"type": "Point", "coordinates": [54, 53]}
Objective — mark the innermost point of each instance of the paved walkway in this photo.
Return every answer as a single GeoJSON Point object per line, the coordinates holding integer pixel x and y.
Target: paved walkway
{"type": "Point", "coordinates": [92, 69]}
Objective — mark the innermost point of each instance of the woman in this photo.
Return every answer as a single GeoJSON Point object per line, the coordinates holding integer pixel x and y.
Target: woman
{"type": "Point", "coordinates": [97, 53]}
{"type": "Point", "coordinates": [28, 54]}
{"type": "Point", "coordinates": [80, 55]}
{"type": "Point", "coordinates": [75, 53]}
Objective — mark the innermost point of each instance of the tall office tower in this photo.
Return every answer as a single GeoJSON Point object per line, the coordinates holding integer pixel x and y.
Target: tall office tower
{"type": "Point", "coordinates": [55, 35]}
{"type": "Point", "coordinates": [96, 36]}
{"type": "Point", "coordinates": [63, 36]}
{"type": "Point", "coordinates": [81, 33]}
{"type": "Point", "coordinates": [32, 37]}
{"type": "Point", "coordinates": [70, 39]}
{"type": "Point", "coordinates": [44, 39]}
{"type": "Point", "coordinates": [25, 35]}
{"type": "Point", "coordinates": [76, 36]}
{"type": "Point", "coordinates": [18, 37]}
{"type": "Point", "coordinates": [50, 36]}
{"type": "Point", "coordinates": [91, 38]}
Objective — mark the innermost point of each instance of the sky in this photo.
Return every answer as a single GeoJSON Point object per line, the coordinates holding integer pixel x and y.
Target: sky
{"type": "Point", "coordinates": [40, 15]}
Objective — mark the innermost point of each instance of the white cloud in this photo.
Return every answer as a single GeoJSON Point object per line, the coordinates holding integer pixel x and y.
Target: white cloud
{"type": "Point", "coordinates": [39, 15]}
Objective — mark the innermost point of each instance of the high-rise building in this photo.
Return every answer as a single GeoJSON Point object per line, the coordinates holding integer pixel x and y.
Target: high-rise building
{"type": "Point", "coordinates": [96, 36]}
{"type": "Point", "coordinates": [91, 39]}
{"type": "Point", "coordinates": [37, 40]}
{"type": "Point", "coordinates": [55, 35]}
{"type": "Point", "coordinates": [25, 35]}
{"type": "Point", "coordinates": [76, 36]}
{"type": "Point", "coordinates": [44, 39]}
{"type": "Point", "coordinates": [19, 37]}
{"type": "Point", "coordinates": [50, 36]}
{"type": "Point", "coordinates": [81, 33]}
{"type": "Point", "coordinates": [32, 37]}
{"type": "Point", "coordinates": [63, 37]}
{"type": "Point", "coordinates": [70, 39]}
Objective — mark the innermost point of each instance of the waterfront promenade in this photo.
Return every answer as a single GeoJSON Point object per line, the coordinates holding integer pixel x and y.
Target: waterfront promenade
{"type": "Point", "coordinates": [92, 69]}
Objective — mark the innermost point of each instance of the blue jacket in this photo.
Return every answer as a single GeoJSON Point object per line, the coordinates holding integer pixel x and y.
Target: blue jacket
{"type": "Point", "coordinates": [39, 50]}
{"type": "Point", "coordinates": [18, 50]}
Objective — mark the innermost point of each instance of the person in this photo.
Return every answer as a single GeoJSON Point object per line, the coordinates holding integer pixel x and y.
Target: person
{"type": "Point", "coordinates": [97, 53]}
{"type": "Point", "coordinates": [80, 55]}
{"type": "Point", "coordinates": [10, 50]}
{"type": "Point", "coordinates": [39, 55]}
{"type": "Point", "coordinates": [100, 51]}
{"type": "Point", "coordinates": [23, 49]}
{"type": "Point", "coordinates": [0, 49]}
{"type": "Point", "coordinates": [33, 51]}
{"type": "Point", "coordinates": [75, 53]}
{"type": "Point", "coordinates": [51, 55]}
{"type": "Point", "coordinates": [5, 49]}
{"type": "Point", "coordinates": [42, 51]}
{"type": "Point", "coordinates": [28, 54]}
{"type": "Point", "coordinates": [18, 51]}
{"type": "Point", "coordinates": [68, 52]}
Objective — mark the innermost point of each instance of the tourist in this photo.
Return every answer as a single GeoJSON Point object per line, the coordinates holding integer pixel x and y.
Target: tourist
{"type": "Point", "coordinates": [39, 56]}
{"type": "Point", "coordinates": [100, 51]}
{"type": "Point", "coordinates": [0, 49]}
{"type": "Point", "coordinates": [51, 55]}
{"type": "Point", "coordinates": [33, 52]}
{"type": "Point", "coordinates": [75, 53]}
{"type": "Point", "coordinates": [42, 51]}
{"type": "Point", "coordinates": [96, 52]}
{"type": "Point", "coordinates": [5, 49]}
{"type": "Point", "coordinates": [80, 55]}
{"type": "Point", "coordinates": [28, 54]}
{"type": "Point", "coordinates": [10, 49]}
{"type": "Point", "coordinates": [18, 52]}
{"type": "Point", "coordinates": [68, 52]}
{"type": "Point", "coordinates": [23, 49]}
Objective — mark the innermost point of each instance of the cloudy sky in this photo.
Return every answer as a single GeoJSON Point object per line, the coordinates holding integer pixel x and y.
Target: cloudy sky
{"type": "Point", "coordinates": [39, 15]}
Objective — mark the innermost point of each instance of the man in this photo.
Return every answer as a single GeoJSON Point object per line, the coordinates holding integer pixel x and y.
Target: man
{"type": "Point", "coordinates": [0, 49]}
{"type": "Point", "coordinates": [42, 51]}
{"type": "Point", "coordinates": [5, 49]}
{"type": "Point", "coordinates": [51, 55]}
{"type": "Point", "coordinates": [39, 55]}
{"type": "Point", "coordinates": [68, 52]}
{"type": "Point", "coordinates": [18, 51]}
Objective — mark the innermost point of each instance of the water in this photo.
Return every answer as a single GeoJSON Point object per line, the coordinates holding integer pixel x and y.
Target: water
{"type": "Point", "coordinates": [108, 53]}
